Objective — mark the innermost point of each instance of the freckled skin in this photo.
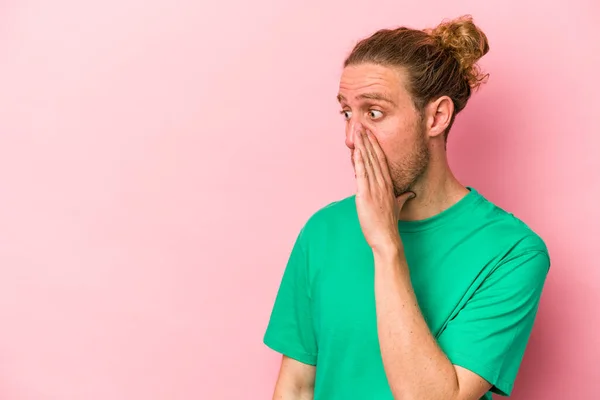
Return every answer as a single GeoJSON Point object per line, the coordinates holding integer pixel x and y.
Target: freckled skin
{"type": "Point", "coordinates": [397, 125]}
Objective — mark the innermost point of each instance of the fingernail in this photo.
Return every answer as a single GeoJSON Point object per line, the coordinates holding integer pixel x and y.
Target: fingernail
{"type": "Point", "coordinates": [412, 196]}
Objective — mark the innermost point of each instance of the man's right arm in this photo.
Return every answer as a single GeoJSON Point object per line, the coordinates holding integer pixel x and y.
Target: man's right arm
{"type": "Point", "coordinates": [296, 381]}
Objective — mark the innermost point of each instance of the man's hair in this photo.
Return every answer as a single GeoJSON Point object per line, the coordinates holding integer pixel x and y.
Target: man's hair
{"type": "Point", "coordinates": [440, 62]}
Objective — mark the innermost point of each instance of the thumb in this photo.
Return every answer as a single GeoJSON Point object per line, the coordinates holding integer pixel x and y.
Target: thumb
{"type": "Point", "coordinates": [404, 197]}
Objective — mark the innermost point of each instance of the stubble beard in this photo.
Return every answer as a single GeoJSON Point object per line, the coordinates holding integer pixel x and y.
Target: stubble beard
{"type": "Point", "coordinates": [406, 173]}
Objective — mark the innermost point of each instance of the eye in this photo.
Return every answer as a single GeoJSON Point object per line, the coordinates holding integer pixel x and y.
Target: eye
{"type": "Point", "coordinates": [375, 114]}
{"type": "Point", "coordinates": [347, 114]}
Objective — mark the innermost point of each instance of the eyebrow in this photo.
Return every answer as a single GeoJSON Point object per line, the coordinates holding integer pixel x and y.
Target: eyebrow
{"type": "Point", "coordinates": [369, 96]}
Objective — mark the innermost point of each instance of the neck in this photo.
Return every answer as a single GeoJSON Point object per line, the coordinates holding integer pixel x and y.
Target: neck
{"type": "Point", "coordinates": [437, 190]}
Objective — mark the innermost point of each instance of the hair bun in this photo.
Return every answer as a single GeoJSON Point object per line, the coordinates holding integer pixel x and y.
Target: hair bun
{"type": "Point", "coordinates": [466, 42]}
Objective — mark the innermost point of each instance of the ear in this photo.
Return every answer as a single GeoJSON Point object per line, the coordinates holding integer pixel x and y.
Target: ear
{"type": "Point", "coordinates": [438, 115]}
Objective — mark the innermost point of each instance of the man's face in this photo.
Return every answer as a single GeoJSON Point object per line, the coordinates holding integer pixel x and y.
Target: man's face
{"type": "Point", "coordinates": [374, 98]}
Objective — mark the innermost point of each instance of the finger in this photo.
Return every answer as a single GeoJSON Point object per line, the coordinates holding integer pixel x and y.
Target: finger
{"type": "Point", "coordinates": [381, 159]}
{"type": "Point", "coordinates": [362, 182]}
{"type": "Point", "coordinates": [404, 197]}
{"type": "Point", "coordinates": [373, 159]}
{"type": "Point", "coordinates": [360, 143]}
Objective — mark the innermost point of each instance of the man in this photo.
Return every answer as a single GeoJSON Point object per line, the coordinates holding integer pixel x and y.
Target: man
{"type": "Point", "coordinates": [417, 287]}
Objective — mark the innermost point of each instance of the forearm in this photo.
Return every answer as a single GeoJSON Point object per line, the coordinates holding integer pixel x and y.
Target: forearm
{"type": "Point", "coordinates": [415, 365]}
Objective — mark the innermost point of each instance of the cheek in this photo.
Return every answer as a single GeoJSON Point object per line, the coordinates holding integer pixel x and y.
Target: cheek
{"type": "Point", "coordinates": [397, 132]}
{"type": "Point", "coordinates": [395, 143]}
{"type": "Point", "coordinates": [389, 128]}
{"type": "Point", "coordinates": [388, 145]}
{"type": "Point", "coordinates": [388, 134]}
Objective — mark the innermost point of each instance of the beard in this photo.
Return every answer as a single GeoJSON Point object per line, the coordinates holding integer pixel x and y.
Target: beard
{"type": "Point", "coordinates": [407, 172]}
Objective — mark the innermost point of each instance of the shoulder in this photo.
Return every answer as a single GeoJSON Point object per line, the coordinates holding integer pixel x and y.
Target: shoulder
{"type": "Point", "coordinates": [334, 222]}
{"type": "Point", "coordinates": [333, 216]}
{"type": "Point", "coordinates": [507, 228]}
{"type": "Point", "coordinates": [518, 244]}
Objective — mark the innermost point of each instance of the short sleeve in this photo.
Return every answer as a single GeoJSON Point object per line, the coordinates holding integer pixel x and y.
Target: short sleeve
{"type": "Point", "coordinates": [489, 335]}
{"type": "Point", "coordinates": [290, 330]}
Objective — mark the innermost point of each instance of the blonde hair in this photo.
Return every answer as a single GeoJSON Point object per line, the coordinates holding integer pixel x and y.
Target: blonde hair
{"type": "Point", "coordinates": [440, 61]}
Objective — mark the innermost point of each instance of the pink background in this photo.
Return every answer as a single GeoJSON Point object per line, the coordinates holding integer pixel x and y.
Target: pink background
{"type": "Point", "coordinates": [158, 159]}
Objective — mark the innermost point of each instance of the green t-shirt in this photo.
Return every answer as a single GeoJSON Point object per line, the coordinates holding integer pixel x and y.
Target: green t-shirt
{"type": "Point", "coordinates": [477, 272]}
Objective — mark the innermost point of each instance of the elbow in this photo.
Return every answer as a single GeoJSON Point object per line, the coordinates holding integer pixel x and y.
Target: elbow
{"type": "Point", "coordinates": [294, 391]}
{"type": "Point", "coordinates": [430, 392]}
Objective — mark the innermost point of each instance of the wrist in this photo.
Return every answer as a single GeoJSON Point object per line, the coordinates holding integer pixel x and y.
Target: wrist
{"type": "Point", "coordinates": [389, 251]}
{"type": "Point", "coordinates": [390, 260]}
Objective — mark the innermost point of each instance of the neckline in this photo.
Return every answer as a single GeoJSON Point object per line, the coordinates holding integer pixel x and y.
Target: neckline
{"type": "Point", "coordinates": [464, 204]}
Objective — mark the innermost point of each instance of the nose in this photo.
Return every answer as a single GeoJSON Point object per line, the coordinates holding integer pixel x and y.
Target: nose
{"type": "Point", "coordinates": [352, 129]}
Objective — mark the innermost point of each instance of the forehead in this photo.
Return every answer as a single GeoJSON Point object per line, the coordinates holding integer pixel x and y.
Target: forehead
{"type": "Point", "coordinates": [373, 78]}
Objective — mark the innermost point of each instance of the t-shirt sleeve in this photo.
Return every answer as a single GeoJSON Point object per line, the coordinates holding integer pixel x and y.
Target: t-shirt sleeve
{"type": "Point", "coordinates": [290, 330]}
{"type": "Point", "coordinates": [489, 335]}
